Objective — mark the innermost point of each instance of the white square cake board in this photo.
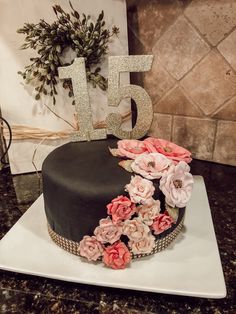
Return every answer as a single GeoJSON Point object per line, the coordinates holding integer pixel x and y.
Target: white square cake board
{"type": "Point", "coordinates": [191, 266]}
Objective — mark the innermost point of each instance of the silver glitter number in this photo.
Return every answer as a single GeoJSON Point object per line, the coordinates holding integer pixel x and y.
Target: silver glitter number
{"type": "Point", "coordinates": [76, 72]}
{"type": "Point", "coordinates": [116, 93]}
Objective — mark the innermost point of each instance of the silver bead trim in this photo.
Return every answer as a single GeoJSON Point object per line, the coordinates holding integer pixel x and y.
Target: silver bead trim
{"type": "Point", "coordinates": [73, 246]}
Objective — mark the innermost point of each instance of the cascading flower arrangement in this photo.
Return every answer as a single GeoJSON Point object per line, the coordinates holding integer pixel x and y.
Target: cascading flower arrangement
{"type": "Point", "coordinates": [135, 219]}
{"type": "Point", "coordinates": [73, 32]}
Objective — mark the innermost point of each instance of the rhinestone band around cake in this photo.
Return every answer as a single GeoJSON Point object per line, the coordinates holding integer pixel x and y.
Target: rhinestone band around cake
{"type": "Point", "coordinates": [73, 246]}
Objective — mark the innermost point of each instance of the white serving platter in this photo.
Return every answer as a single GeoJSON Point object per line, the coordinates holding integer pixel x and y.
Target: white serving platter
{"type": "Point", "coordinates": [191, 266]}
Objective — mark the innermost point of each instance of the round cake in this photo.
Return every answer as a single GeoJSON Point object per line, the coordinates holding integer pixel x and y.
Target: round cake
{"type": "Point", "coordinates": [82, 185]}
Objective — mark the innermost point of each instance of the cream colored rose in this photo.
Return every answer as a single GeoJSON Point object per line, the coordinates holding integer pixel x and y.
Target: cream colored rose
{"type": "Point", "coordinates": [135, 229]}
{"type": "Point", "coordinates": [144, 246]}
{"type": "Point", "coordinates": [147, 213]}
{"type": "Point", "coordinates": [107, 231]}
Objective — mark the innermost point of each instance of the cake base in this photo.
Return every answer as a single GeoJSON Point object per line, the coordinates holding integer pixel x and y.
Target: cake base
{"type": "Point", "coordinates": [190, 266]}
{"type": "Point", "coordinates": [160, 244]}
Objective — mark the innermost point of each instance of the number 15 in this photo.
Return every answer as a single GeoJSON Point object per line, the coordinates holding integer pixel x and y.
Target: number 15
{"type": "Point", "coordinates": [116, 92]}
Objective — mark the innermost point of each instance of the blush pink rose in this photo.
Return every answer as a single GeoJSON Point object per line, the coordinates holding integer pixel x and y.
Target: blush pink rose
{"type": "Point", "coordinates": [90, 248]}
{"type": "Point", "coordinates": [144, 246]}
{"type": "Point", "coordinates": [130, 148]}
{"type": "Point", "coordinates": [161, 223]}
{"type": "Point", "coordinates": [135, 230]}
{"type": "Point", "coordinates": [117, 256]}
{"type": "Point", "coordinates": [147, 213]}
{"type": "Point", "coordinates": [177, 185]}
{"type": "Point", "coordinates": [169, 149]}
{"type": "Point", "coordinates": [121, 208]}
{"type": "Point", "coordinates": [107, 231]}
{"type": "Point", "coordinates": [140, 190]}
{"type": "Point", "coordinates": [151, 166]}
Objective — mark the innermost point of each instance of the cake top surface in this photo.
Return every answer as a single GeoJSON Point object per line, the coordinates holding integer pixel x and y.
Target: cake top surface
{"type": "Point", "coordinates": [87, 164]}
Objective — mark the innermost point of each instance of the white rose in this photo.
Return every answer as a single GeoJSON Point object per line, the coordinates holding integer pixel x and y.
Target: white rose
{"type": "Point", "coordinates": [177, 185]}
{"type": "Point", "coordinates": [151, 166]}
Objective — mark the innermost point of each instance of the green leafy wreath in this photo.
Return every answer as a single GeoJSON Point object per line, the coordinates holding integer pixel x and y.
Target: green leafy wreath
{"type": "Point", "coordinates": [87, 39]}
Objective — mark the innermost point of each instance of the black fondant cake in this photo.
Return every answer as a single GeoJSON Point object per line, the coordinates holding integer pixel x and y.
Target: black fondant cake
{"type": "Point", "coordinates": [79, 180]}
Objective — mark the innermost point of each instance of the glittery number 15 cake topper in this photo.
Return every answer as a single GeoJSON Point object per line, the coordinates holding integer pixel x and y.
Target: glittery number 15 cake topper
{"type": "Point", "coordinates": [117, 64]}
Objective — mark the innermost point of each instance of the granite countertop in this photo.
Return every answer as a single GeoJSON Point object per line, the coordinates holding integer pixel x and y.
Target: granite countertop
{"type": "Point", "coordinates": [29, 294]}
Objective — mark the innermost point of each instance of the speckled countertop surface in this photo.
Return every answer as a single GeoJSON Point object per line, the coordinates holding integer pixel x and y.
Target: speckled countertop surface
{"type": "Point", "coordinates": [30, 294]}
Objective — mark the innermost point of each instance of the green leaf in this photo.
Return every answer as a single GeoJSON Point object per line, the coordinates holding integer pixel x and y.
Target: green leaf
{"type": "Point", "coordinates": [91, 27]}
{"type": "Point", "coordinates": [101, 16]}
{"type": "Point", "coordinates": [76, 31]}
{"type": "Point", "coordinates": [70, 94]}
{"type": "Point", "coordinates": [37, 96]}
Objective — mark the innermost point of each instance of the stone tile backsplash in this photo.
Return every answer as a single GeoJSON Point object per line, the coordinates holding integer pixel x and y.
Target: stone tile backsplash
{"type": "Point", "coordinates": [193, 79]}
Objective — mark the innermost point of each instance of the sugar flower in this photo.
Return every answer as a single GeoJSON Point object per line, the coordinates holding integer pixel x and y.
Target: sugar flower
{"type": "Point", "coordinates": [161, 223]}
{"type": "Point", "coordinates": [135, 229]}
{"type": "Point", "coordinates": [90, 248]}
{"type": "Point", "coordinates": [169, 149]}
{"type": "Point", "coordinates": [130, 148]}
{"type": "Point", "coordinates": [147, 213]}
{"type": "Point", "coordinates": [107, 231]}
{"type": "Point", "coordinates": [151, 166]}
{"type": "Point", "coordinates": [117, 255]}
{"type": "Point", "coordinates": [144, 246]}
{"type": "Point", "coordinates": [140, 190]}
{"type": "Point", "coordinates": [121, 208]}
{"type": "Point", "coordinates": [177, 185]}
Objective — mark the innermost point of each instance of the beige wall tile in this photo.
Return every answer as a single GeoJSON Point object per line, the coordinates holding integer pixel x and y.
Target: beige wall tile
{"type": "Point", "coordinates": [154, 17]}
{"type": "Point", "coordinates": [157, 81]}
{"type": "Point", "coordinates": [177, 103]}
{"type": "Point", "coordinates": [228, 111]}
{"type": "Point", "coordinates": [225, 147]}
{"type": "Point", "coordinates": [228, 49]}
{"type": "Point", "coordinates": [210, 83]}
{"type": "Point", "coordinates": [135, 45]}
{"type": "Point", "coordinates": [213, 18]}
{"type": "Point", "coordinates": [190, 77]}
{"type": "Point", "coordinates": [180, 48]}
{"type": "Point", "coordinates": [161, 126]}
{"type": "Point", "coordinates": [197, 135]}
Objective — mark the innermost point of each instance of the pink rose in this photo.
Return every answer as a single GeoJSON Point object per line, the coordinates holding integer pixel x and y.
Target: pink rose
{"type": "Point", "coordinates": [177, 185]}
{"type": "Point", "coordinates": [149, 212]}
{"type": "Point", "coordinates": [107, 232]}
{"type": "Point", "coordinates": [135, 229]}
{"type": "Point", "coordinates": [169, 149]}
{"type": "Point", "coordinates": [121, 208]}
{"type": "Point", "coordinates": [144, 246]}
{"type": "Point", "coordinates": [151, 166]}
{"type": "Point", "coordinates": [130, 148]}
{"type": "Point", "coordinates": [161, 223]}
{"type": "Point", "coordinates": [90, 248]}
{"type": "Point", "coordinates": [140, 190]}
{"type": "Point", "coordinates": [117, 256]}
